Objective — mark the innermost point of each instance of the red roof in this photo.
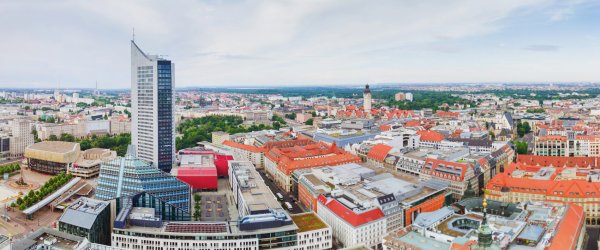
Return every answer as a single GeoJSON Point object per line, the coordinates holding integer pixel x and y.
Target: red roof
{"type": "Point", "coordinates": [569, 229]}
{"type": "Point", "coordinates": [434, 167]}
{"type": "Point", "coordinates": [558, 161]}
{"type": "Point", "coordinates": [350, 216]}
{"type": "Point", "coordinates": [428, 135]}
{"type": "Point", "coordinates": [244, 147]}
{"type": "Point", "coordinates": [379, 152]}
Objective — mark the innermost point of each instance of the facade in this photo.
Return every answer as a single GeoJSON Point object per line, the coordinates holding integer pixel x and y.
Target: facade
{"type": "Point", "coordinates": [128, 176]}
{"type": "Point", "coordinates": [458, 175]}
{"type": "Point", "coordinates": [200, 168]}
{"type": "Point", "coordinates": [21, 136]}
{"type": "Point", "coordinates": [153, 123]}
{"type": "Point", "coordinates": [218, 137]}
{"type": "Point", "coordinates": [352, 227]}
{"type": "Point", "coordinates": [52, 157]}
{"type": "Point", "coordinates": [88, 218]}
{"type": "Point", "coordinates": [88, 163]}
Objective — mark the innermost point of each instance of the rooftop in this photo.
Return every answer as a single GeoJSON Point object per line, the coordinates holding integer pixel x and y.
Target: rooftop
{"type": "Point", "coordinates": [308, 222]}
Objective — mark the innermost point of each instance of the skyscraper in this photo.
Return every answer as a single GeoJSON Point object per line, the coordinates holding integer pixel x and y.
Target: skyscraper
{"type": "Point", "coordinates": [152, 102]}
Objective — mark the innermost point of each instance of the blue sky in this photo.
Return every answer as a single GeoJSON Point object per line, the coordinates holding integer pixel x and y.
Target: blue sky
{"type": "Point", "coordinates": [304, 42]}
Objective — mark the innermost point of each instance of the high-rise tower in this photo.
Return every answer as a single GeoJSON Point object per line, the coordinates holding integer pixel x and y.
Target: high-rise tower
{"type": "Point", "coordinates": [152, 102]}
{"type": "Point", "coordinates": [367, 100]}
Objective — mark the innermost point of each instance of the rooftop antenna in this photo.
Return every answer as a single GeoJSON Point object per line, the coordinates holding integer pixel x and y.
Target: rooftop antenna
{"type": "Point", "coordinates": [133, 34]}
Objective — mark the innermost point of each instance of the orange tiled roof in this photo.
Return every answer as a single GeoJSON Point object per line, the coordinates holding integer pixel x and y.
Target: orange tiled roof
{"type": "Point", "coordinates": [552, 138]}
{"type": "Point", "coordinates": [428, 135]}
{"type": "Point", "coordinates": [244, 147]}
{"type": "Point", "coordinates": [379, 152]}
{"type": "Point", "coordinates": [309, 156]}
{"type": "Point", "coordinates": [569, 229]}
{"type": "Point", "coordinates": [438, 165]}
{"type": "Point", "coordinates": [558, 161]}
{"type": "Point", "coordinates": [549, 188]}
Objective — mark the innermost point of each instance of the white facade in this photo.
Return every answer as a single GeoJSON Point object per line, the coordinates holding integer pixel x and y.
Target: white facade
{"type": "Point", "coordinates": [21, 136]}
{"type": "Point", "coordinates": [368, 234]}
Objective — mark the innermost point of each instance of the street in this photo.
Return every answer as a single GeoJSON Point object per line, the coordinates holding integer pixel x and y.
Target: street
{"type": "Point", "coordinates": [286, 196]}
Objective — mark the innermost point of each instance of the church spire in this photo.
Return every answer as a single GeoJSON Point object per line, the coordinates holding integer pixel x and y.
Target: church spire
{"type": "Point", "coordinates": [484, 238]}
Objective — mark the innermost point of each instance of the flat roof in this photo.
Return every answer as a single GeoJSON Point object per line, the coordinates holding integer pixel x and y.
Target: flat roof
{"type": "Point", "coordinates": [308, 222]}
{"type": "Point", "coordinates": [60, 147]}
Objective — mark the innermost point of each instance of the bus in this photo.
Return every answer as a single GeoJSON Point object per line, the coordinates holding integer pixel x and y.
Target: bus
{"type": "Point", "coordinates": [279, 197]}
{"type": "Point", "coordinates": [288, 206]}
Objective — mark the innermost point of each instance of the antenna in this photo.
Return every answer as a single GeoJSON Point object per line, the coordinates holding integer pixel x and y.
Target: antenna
{"type": "Point", "coordinates": [133, 35]}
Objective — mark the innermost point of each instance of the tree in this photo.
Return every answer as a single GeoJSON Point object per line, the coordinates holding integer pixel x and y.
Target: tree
{"type": "Point", "coordinates": [521, 147]}
{"type": "Point", "coordinates": [309, 122]}
{"type": "Point", "coordinates": [52, 138]}
{"type": "Point", "coordinates": [67, 137]}
{"type": "Point", "coordinates": [197, 198]}
{"type": "Point", "coordinates": [22, 206]}
{"type": "Point", "coordinates": [492, 135]}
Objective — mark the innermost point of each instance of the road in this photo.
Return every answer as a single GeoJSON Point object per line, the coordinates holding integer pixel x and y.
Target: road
{"type": "Point", "coordinates": [296, 209]}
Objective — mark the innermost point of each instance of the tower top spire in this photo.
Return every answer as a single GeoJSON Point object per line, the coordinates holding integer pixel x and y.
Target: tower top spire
{"type": "Point", "coordinates": [133, 34]}
{"type": "Point", "coordinates": [367, 90]}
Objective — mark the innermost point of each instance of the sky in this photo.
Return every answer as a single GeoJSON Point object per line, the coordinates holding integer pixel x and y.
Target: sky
{"type": "Point", "coordinates": [73, 44]}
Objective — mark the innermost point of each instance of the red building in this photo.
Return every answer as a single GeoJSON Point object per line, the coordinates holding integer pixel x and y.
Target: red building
{"type": "Point", "coordinates": [200, 168]}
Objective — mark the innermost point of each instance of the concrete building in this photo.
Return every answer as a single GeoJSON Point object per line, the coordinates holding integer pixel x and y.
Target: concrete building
{"type": "Point", "coordinates": [153, 123]}
{"type": "Point", "coordinates": [21, 136]}
{"type": "Point", "coordinates": [218, 137]}
{"type": "Point", "coordinates": [46, 238]}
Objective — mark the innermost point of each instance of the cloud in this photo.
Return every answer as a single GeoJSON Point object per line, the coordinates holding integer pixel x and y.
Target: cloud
{"type": "Point", "coordinates": [217, 43]}
{"type": "Point", "coordinates": [542, 48]}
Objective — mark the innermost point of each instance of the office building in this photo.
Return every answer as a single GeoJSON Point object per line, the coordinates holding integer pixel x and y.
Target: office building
{"type": "Point", "coordinates": [21, 136]}
{"type": "Point", "coordinates": [87, 218]}
{"type": "Point", "coordinates": [128, 176]}
{"type": "Point", "coordinates": [152, 102]}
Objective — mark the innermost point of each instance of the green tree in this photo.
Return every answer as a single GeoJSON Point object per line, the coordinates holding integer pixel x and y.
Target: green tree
{"type": "Point", "coordinates": [521, 147]}
{"type": "Point", "coordinates": [309, 121]}
{"type": "Point", "coordinates": [52, 138]}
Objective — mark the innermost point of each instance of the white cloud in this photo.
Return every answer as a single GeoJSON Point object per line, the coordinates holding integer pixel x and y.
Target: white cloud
{"type": "Point", "coordinates": [249, 42]}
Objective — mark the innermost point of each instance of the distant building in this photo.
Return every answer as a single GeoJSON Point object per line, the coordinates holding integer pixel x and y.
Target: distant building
{"type": "Point", "coordinates": [218, 137]}
{"type": "Point", "coordinates": [87, 218]}
{"type": "Point", "coordinates": [21, 136]}
{"type": "Point", "coordinates": [152, 98]}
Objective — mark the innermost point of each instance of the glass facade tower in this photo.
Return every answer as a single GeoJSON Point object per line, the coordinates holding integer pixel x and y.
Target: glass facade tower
{"type": "Point", "coordinates": [152, 102]}
{"type": "Point", "coordinates": [128, 176]}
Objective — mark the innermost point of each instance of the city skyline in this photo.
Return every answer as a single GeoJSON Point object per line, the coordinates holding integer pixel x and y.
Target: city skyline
{"type": "Point", "coordinates": [219, 44]}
